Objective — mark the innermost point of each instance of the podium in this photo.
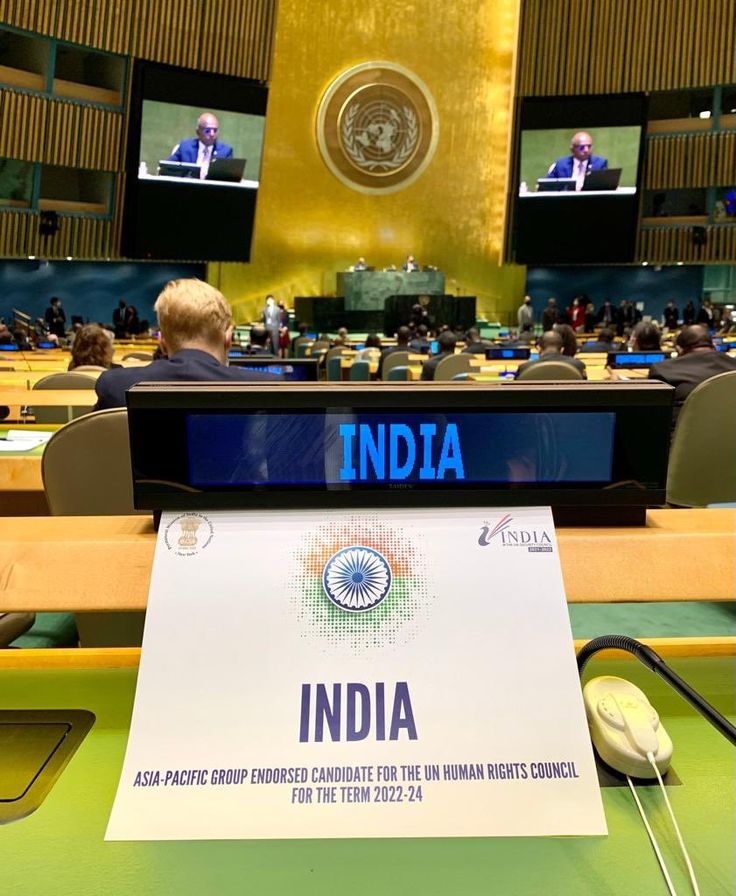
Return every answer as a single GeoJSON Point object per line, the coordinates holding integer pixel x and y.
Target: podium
{"type": "Point", "coordinates": [368, 290]}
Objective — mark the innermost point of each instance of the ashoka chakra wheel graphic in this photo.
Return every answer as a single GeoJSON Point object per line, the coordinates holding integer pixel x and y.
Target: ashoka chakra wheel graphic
{"type": "Point", "coordinates": [357, 578]}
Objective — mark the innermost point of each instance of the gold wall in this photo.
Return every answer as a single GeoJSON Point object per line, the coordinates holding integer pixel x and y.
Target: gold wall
{"type": "Point", "coordinates": [309, 225]}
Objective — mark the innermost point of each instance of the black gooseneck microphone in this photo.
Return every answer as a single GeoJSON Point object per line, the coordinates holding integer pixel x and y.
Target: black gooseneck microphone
{"type": "Point", "coordinates": [653, 661]}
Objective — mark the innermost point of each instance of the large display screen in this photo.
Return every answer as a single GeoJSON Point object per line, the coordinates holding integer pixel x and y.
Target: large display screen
{"type": "Point", "coordinates": [578, 165]}
{"type": "Point", "coordinates": [193, 164]}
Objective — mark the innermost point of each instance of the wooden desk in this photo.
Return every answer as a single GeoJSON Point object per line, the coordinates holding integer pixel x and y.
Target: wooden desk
{"type": "Point", "coordinates": [21, 484]}
{"type": "Point", "coordinates": [104, 563]}
{"type": "Point", "coordinates": [47, 398]}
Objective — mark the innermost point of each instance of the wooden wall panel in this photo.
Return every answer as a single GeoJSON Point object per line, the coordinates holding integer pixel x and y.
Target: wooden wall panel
{"type": "Point", "coordinates": [609, 46]}
{"type": "Point", "coordinates": [232, 32]}
{"type": "Point", "coordinates": [22, 125]}
{"type": "Point", "coordinates": [168, 31]}
{"type": "Point", "coordinates": [77, 236]}
{"type": "Point", "coordinates": [665, 245]}
{"type": "Point", "coordinates": [13, 234]}
{"type": "Point", "coordinates": [100, 139]}
{"type": "Point", "coordinates": [690, 160]}
{"type": "Point", "coordinates": [229, 36]}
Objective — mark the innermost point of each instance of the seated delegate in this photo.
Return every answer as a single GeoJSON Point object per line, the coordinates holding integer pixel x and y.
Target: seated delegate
{"type": "Point", "coordinates": [580, 162]}
{"type": "Point", "coordinates": [203, 148]}
{"type": "Point", "coordinates": [196, 333]}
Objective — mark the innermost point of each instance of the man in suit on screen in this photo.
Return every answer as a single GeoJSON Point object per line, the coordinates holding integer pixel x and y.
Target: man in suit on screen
{"type": "Point", "coordinates": [580, 162]}
{"type": "Point", "coordinates": [203, 148]}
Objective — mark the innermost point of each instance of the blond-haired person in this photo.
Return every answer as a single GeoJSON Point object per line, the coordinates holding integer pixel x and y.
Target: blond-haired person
{"type": "Point", "coordinates": [196, 333]}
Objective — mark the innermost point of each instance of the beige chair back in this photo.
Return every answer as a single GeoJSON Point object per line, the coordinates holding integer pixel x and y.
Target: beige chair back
{"type": "Point", "coordinates": [86, 466]}
{"type": "Point", "coordinates": [87, 472]}
{"type": "Point", "coordinates": [705, 434]}
{"type": "Point", "coordinates": [550, 370]}
{"type": "Point", "coordinates": [69, 380]}
{"type": "Point", "coordinates": [452, 365]}
{"type": "Point", "coordinates": [395, 359]}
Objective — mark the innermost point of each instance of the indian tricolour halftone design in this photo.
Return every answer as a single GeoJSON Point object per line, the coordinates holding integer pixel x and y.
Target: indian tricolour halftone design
{"type": "Point", "coordinates": [360, 584]}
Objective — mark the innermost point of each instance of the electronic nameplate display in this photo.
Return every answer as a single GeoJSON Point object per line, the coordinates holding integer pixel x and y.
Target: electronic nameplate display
{"type": "Point", "coordinates": [507, 354]}
{"type": "Point", "coordinates": [634, 359]}
{"type": "Point", "coordinates": [598, 450]}
{"type": "Point", "coordinates": [297, 370]}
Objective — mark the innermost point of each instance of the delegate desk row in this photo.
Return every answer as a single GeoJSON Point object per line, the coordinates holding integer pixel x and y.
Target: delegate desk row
{"type": "Point", "coordinates": [55, 360]}
{"type": "Point", "coordinates": [60, 848]}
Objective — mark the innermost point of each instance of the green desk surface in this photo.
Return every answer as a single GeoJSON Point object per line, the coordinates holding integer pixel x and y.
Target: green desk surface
{"type": "Point", "coordinates": [60, 849]}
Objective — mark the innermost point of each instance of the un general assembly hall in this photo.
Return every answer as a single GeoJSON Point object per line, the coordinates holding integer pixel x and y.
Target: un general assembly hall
{"type": "Point", "coordinates": [367, 447]}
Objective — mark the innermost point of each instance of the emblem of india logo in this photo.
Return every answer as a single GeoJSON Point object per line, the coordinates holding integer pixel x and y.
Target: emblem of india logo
{"type": "Point", "coordinates": [377, 127]}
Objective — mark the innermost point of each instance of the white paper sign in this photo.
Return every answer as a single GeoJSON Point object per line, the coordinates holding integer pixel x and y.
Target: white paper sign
{"type": "Point", "coordinates": [357, 674]}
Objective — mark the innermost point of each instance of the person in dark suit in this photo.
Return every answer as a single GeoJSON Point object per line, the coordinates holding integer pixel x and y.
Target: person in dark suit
{"type": "Point", "coordinates": [697, 361]}
{"type": "Point", "coordinates": [118, 319]}
{"type": "Point", "coordinates": [259, 339]}
{"type": "Point", "coordinates": [604, 343]}
{"type": "Point", "coordinates": [196, 333]}
{"type": "Point", "coordinates": [550, 349]}
{"type": "Point", "coordinates": [446, 344]}
{"type": "Point", "coordinates": [402, 345]}
{"type": "Point", "coordinates": [606, 314]}
{"type": "Point", "coordinates": [56, 318]}
{"type": "Point", "coordinates": [410, 264]}
{"type": "Point", "coordinates": [474, 345]}
{"type": "Point", "coordinates": [550, 315]}
{"type": "Point", "coordinates": [671, 316]}
{"type": "Point", "coordinates": [271, 320]}
{"type": "Point", "coordinates": [420, 344]}
{"type": "Point", "coordinates": [580, 163]}
{"type": "Point", "coordinates": [203, 148]}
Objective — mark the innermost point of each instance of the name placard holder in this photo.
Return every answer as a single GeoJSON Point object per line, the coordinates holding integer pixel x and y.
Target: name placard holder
{"type": "Point", "coordinates": [378, 673]}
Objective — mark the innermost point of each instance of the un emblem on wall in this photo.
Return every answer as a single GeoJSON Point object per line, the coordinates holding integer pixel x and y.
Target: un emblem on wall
{"type": "Point", "coordinates": [377, 127]}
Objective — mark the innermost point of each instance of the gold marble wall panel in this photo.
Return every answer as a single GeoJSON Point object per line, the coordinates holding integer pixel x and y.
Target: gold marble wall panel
{"type": "Point", "coordinates": [309, 225]}
{"type": "Point", "coordinates": [608, 46]}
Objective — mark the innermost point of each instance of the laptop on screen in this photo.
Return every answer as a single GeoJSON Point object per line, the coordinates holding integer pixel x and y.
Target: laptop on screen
{"type": "Point", "coordinates": [168, 168]}
{"type": "Point", "coordinates": [556, 184]}
{"type": "Point", "coordinates": [602, 180]}
{"type": "Point", "coordinates": [229, 170]}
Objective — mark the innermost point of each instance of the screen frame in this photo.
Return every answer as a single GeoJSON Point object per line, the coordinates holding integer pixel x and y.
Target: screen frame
{"type": "Point", "coordinates": [589, 110]}
{"type": "Point", "coordinates": [599, 504]}
{"type": "Point", "coordinates": [159, 82]}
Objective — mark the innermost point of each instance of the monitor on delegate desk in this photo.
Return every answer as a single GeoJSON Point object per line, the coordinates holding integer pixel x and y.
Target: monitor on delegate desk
{"type": "Point", "coordinates": [631, 360]}
{"type": "Point", "coordinates": [507, 354]}
{"type": "Point", "coordinates": [167, 168]}
{"type": "Point", "coordinates": [296, 370]}
{"type": "Point", "coordinates": [240, 446]}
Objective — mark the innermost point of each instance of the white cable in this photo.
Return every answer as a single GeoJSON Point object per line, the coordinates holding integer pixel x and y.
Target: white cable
{"type": "Point", "coordinates": [690, 871]}
{"type": "Point", "coordinates": [652, 839]}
